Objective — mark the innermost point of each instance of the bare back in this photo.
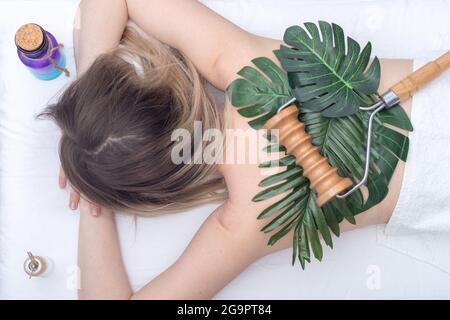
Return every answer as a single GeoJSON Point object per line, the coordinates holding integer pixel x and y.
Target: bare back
{"type": "Point", "coordinates": [242, 178]}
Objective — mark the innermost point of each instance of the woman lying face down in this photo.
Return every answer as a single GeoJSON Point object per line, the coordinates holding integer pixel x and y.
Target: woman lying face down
{"type": "Point", "coordinates": [117, 123]}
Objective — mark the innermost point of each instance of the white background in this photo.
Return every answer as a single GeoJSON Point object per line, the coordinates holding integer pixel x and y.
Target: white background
{"type": "Point", "coordinates": [34, 214]}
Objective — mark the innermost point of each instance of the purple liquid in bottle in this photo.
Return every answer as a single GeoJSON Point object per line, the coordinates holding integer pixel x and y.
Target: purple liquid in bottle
{"type": "Point", "coordinates": [40, 52]}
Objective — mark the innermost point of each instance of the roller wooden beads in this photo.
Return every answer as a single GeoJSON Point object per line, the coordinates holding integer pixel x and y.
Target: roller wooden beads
{"type": "Point", "coordinates": [291, 133]}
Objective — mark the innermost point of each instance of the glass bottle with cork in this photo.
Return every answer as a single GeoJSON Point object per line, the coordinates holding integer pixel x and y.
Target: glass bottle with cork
{"type": "Point", "coordinates": [40, 52]}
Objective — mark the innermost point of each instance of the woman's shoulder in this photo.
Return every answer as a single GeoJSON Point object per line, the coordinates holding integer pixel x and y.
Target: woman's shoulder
{"type": "Point", "coordinates": [236, 57]}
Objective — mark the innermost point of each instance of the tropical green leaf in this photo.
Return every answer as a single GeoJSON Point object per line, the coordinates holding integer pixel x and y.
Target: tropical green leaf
{"type": "Point", "coordinates": [259, 94]}
{"type": "Point", "coordinates": [342, 139]}
{"type": "Point", "coordinates": [396, 117]}
{"type": "Point", "coordinates": [285, 161]}
{"type": "Point", "coordinates": [279, 177]}
{"type": "Point", "coordinates": [326, 75]}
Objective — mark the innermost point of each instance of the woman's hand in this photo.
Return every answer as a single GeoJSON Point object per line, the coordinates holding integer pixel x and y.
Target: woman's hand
{"type": "Point", "coordinates": [74, 198]}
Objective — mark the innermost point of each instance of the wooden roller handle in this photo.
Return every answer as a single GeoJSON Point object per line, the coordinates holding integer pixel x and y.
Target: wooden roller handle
{"type": "Point", "coordinates": [406, 87]}
{"type": "Point", "coordinates": [291, 133]}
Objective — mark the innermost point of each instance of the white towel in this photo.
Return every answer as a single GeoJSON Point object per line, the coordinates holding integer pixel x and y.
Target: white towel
{"type": "Point", "coordinates": [420, 224]}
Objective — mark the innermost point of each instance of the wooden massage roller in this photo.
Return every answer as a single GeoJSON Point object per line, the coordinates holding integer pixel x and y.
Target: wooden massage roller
{"type": "Point", "coordinates": [291, 133]}
{"type": "Point", "coordinates": [324, 179]}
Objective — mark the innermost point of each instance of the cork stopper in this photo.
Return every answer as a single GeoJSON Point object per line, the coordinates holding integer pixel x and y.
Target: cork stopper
{"type": "Point", "coordinates": [30, 37]}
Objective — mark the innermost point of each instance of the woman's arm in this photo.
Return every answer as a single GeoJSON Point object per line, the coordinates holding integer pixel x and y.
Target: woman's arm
{"type": "Point", "coordinates": [188, 25]}
{"type": "Point", "coordinates": [215, 256]}
{"type": "Point", "coordinates": [103, 275]}
{"type": "Point", "coordinates": [99, 26]}
{"type": "Point", "coordinates": [217, 47]}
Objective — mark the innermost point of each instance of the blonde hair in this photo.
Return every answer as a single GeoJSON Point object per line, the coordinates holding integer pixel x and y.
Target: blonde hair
{"type": "Point", "coordinates": [116, 123]}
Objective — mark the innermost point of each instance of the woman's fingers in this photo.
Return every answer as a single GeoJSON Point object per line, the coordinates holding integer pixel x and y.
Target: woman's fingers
{"type": "Point", "coordinates": [87, 207]}
{"type": "Point", "coordinates": [74, 199]}
{"type": "Point", "coordinates": [95, 210]}
{"type": "Point", "coordinates": [62, 180]}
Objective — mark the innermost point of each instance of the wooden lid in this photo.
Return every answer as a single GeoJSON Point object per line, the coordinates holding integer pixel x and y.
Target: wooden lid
{"type": "Point", "coordinates": [29, 37]}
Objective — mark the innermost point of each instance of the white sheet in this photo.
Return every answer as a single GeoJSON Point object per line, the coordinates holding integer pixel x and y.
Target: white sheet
{"type": "Point", "coordinates": [420, 224]}
{"type": "Point", "coordinates": [34, 214]}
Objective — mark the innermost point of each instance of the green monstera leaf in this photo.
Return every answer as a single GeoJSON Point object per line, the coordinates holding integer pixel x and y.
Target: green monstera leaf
{"type": "Point", "coordinates": [342, 141]}
{"type": "Point", "coordinates": [324, 76]}
{"type": "Point", "coordinates": [257, 96]}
